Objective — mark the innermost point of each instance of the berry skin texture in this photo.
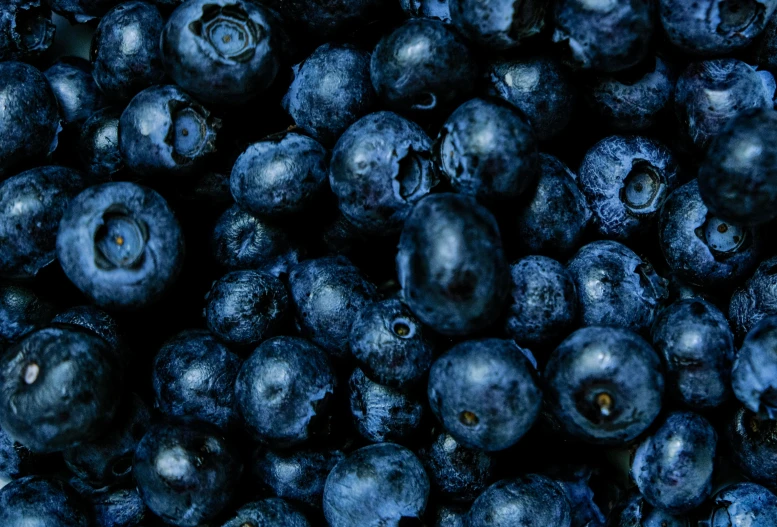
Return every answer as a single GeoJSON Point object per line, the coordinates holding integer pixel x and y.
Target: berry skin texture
{"type": "Point", "coordinates": [58, 388]}
{"type": "Point", "coordinates": [380, 167]}
{"type": "Point", "coordinates": [683, 446]}
{"type": "Point", "coordinates": [223, 51]}
{"type": "Point", "coordinates": [30, 121]}
{"type": "Point", "coordinates": [635, 511]}
{"type": "Point", "coordinates": [112, 506]}
{"type": "Point", "coordinates": [283, 389]}
{"type": "Point", "coordinates": [485, 394]}
{"type": "Point", "coordinates": [616, 287]}
{"type": "Point", "coordinates": [423, 66]}
{"type": "Point", "coordinates": [604, 385]}
{"type": "Point", "coordinates": [22, 311]}
{"type": "Point", "coordinates": [754, 377]}
{"type": "Point", "coordinates": [626, 180]}
{"type": "Point", "coordinates": [376, 486]}
{"type": "Point", "coordinates": [500, 24]}
{"type": "Point", "coordinates": [755, 300]}
{"type": "Point", "coordinates": [26, 29]}
{"type": "Point", "coordinates": [37, 500]}
{"type": "Point", "coordinates": [738, 178]}
{"type": "Point", "coordinates": [439, 9]}
{"type": "Point", "coordinates": [753, 444]}
{"type": "Point", "coordinates": [120, 244]}
{"type": "Point", "coordinates": [98, 144]}
{"type": "Point", "coordinates": [521, 501]}
{"type": "Point", "coordinates": [77, 94]}
{"type": "Point", "coordinates": [270, 511]}
{"type": "Point", "coordinates": [488, 150]}
{"type": "Point", "coordinates": [451, 264]}
{"type": "Point", "coordinates": [743, 505]}
{"type": "Point", "coordinates": [186, 474]}
{"type": "Point", "coordinates": [98, 322]}
{"type": "Point", "coordinates": [456, 472]}
{"type": "Point", "coordinates": [281, 175]}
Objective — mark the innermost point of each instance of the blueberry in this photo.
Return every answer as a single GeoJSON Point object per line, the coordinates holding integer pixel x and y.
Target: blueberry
{"type": "Point", "coordinates": [328, 294]}
{"type": "Point", "coordinates": [37, 500]}
{"type": "Point", "coordinates": [223, 51]}
{"type": "Point", "coordinates": [753, 444]}
{"type": "Point", "coordinates": [58, 388]}
{"type": "Point", "coordinates": [113, 506]}
{"type": "Point", "coordinates": [331, 90]}
{"type": "Point", "coordinates": [76, 91]}
{"type": "Point", "coordinates": [381, 413]}
{"type": "Point", "coordinates": [604, 385]}
{"type": "Point", "coordinates": [269, 511]}
{"type": "Point", "coordinates": [390, 344]}
{"type": "Point", "coordinates": [673, 466]}
{"type": "Point", "coordinates": [485, 393]}
{"type": "Point", "coordinates": [283, 390]}
{"type": "Point", "coordinates": [635, 511]}
{"type": "Point", "coordinates": [422, 66]}
{"type": "Point", "coordinates": [26, 29]}
{"type": "Point", "coordinates": [526, 500]}
{"type": "Point", "coordinates": [538, 86]}
{"type": "Point", "coordinates": [754, 377]}
{"type": "Point", "coordinates": [427, 9]}
{"type": "Point", "coordinates": [756, 299]}
{"type": "Point", "coordinates": [243, 241]}
{"type": "Point", "coordinates": [605, 36]}
{"type": "Point", "coordinates": [98, 322]}
{"type": "Point", "coordinates": [186, 474]}
{"type": "Point", "coordinates": [616, 287]}
{"type": "Point", "coordinates": [626, 180]}
{"type": "Point", "coordinates": [738, 179]}
{"type": "Point", "coordinates": [21, 312]}
{"type": "Point", "coordinates": [163, 131]}
{"type": "Point", "coordinates": [194, 378]}
{"type": "Point", "coordinates": [712, 27]}
{"type": "Point", "coordinates": [543, 307]}
{"type": "Point", "coordinates": [710, 93]}
{"type": "Point", "coordinates": [742, 505]}
{"type": "Point", "coordinates": [125, 50]}
{"type": "Point", "coordinates": [553, 221]}
{"type": "Point", "coordinates": [380, 167]}
{"type": "Point", "coordinates": [378, 485]}
{"type": "Point", "coordinates": [280, 175]}
{"type": "Point", "coordinates": [697, 345]}
{"type": "Point", "coordinates": [451, 264]}
{"type": "Point", "coordinates": [702, 248]}
{"type": "Point", "coordinates": [456, 472]}
{"type": "Point", "coordinates": [244, 308]}
{"type": "Point", "coordinates": [488, 150]}
{"type": "Point", "coordinates": [500, 24]}
{"type": "Point", "coordinates": [82, 11]}
{"type": "Point", "coordinates": [322, 20]}
{"type": "Point", "coordinates": [98, 145]}
{"type": "Point", "coordinates": [30, 122]}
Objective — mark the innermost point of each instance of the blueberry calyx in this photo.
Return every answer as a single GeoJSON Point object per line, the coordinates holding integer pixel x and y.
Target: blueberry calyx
{"type": "Point", "coordinates": [120, 240]}
{"type": "Point", "coordinates": [228, 31]}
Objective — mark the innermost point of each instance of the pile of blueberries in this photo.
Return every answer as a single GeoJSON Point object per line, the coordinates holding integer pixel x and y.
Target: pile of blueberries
{"type": "Point", "coordinates": [368, 263]}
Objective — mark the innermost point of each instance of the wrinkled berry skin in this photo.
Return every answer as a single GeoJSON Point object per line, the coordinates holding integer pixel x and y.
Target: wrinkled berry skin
{"type": "Point", "coordinates": [755, 300]}
{"type": "Point", "coordinates": [616, 287]}
{"type": "Point", "coordinates": [500, 24]}
{"type": "Point", "coordinates": [683, 446]}
{"type": "Point", "coordinates": [98, 322]}
{"type": "Point", "coordinates": [711, 27]}
{"type": "Point", "coordinates": [603, 36]}
{"type": "Point", "coordinates": [324, 20]}
{"type": "Point", "coordinates": [194, 379]}
{"type": "Point", "coordinates": [635, 511]}
{"type": "Point", "coordinates": [120, 244]}
{"type": "Point", "coordinates": [283, 388]}
{"type": "Point", "coordinates": [451, 264]}
{"type": "Point", "coordinates": [754, 376]}
{"type": "Point", "coordinates": [113, 506]}
{"type": "Point", "coordinates": [77, 94]}
{"type": "Point", "coordinates": [578, 483]}
{"type": "Point", "coordinates": [269, 511]}
{"type": "Point", "coordinates": [82, 11]}
{"type": "Point", "coordinates": [22, 311]}
{"type": "Point", "coordinates": [331, 90]}
{"type": "Point", "coordinates": [456, 472]}
{"type": "Point", "coordinates": [743, 505]}
{"type": "Point", "coordinates": [98, 144]}
{"type": "Point", "coordinates": [427, 9]}
{"type": "Point", "coordinates": [390, 344]}
{"type": "Point", "coordinates": [223, 51]}
{"type": "Point", "coordinates": [497, 169]}
{"type": "Point", "coordinates": [422, 66]}
{"type": "Point", "coordinates": [697, 345]}
{"type": "Point", "coordinates": [328, 294]}
{"type": "Point", "coordinates": [604, 385]}
{"type": "Point", "coordinates": [37, 500]}
{"type": "Point", "coordinates": [485, 394]}
{"type": "Point", "coordinates": [281, 175]}
{"type": "Point", "coordinates": [538, 86]}
{"type": "Point", "coordinates": [701, 248]}
{"type": "Point", "coordinates": [543, 305]}
{"type": "Point", "coordinates": [30, 121]}
{"type": "Point", "coordinates": [122, 70]}
{"type": "Point", "coordinates": [380, 167]}
{"type": "Point", "coordinates": [553, 221]}
{"type": "Point", "coordinates": [626, 180]}
{"type": "Point", "coordinates": [710, 93]}
{"type": "Point", "coordinates": [738, 178]}
{"type": "Point", "coordinates": [33, 203]}
{"type": "Point", "coordinates": [375, 486]}
{"type": "Point", "coordinates": [165, 132]}
{"type": "Point", "coordinates": [26, 29]}
{"type": "Point", "coordinates": [243, 241]}
{"type": "Point", "coordinates": [521, 501]}
{"type": "Point", "coordinates": [754, 446]}
{"type": "Point", "coordinates": [245, 307]}
{"type": "Point", "coordinates": [58, 387]}
{"type": "Point", "coordinates": [186, 474]}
